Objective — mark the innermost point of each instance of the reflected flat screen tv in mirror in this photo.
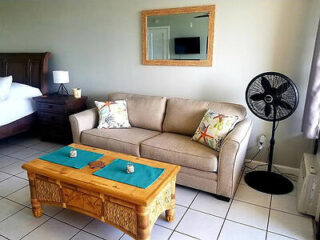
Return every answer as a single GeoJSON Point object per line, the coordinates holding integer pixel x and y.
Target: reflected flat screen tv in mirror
{"type": "Point", "coordinates": [187, 45]}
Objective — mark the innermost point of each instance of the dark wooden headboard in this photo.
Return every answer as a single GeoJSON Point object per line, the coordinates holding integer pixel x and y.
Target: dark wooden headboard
{"type": "Point", "coordinates": [27, 68]}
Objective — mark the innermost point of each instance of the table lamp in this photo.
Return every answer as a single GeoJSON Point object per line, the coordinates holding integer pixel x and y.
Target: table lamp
{"type": "Point", "coordinates": [61, 77]}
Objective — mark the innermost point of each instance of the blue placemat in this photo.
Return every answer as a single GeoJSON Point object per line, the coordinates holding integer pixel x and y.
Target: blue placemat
{"type": "Point", "coordinates": [62, 157]}
{"type": "Point", "coordinates": [143, 176]}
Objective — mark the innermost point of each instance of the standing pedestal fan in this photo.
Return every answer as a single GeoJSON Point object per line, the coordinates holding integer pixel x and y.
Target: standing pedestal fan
{"type": "Point", "coordinates": [273, 97]}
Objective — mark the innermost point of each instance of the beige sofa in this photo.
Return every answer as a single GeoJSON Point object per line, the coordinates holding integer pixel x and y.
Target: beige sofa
{"type": "Point", "coordinates": [162, 129]}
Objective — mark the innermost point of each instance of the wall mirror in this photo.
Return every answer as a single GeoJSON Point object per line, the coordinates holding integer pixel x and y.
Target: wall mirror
{"type": "Point", "coordinates": [178, 36]}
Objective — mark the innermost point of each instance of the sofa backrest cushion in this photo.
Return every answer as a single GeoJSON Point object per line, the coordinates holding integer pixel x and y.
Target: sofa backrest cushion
{"type": "Point", "coordinates": [144, 111]}
{"type": "Point", "coordinates": [183, 116]}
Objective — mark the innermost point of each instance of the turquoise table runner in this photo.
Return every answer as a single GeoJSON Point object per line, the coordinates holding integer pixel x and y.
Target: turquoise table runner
{"type": "Point", "coordinates": [62, 157]}
{"type": "Point", "coordinates": [143, 176]}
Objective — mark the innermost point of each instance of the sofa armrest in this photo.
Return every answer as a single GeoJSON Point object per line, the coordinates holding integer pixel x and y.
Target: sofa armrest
{"type": "Point", "coordinates": [82, 121]}
{"type": "Point", "coordinates": [232, 157]}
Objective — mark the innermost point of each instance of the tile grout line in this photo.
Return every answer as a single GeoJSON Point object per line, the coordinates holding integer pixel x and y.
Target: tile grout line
{"type": "Point", "coordinates": [15, 190]}
{"type": "Point", "coordinates": [251, 203]}
{"type": "Point", "coordinates": [4, 237]}
{"type": "Point", "coordinates": [36, 228]}
{"type": "Point", "coordinates": [50, 217]}
{"type": "Point", "coordinates": [122, 236]}
{"type": "Point", "coordinates": [305, 216]}
{"type": "Point", "coordinates": [15, 202]}
{"type": "Point", "coordinates": [186, 235]}
{"type": "Point", "coordinates": [81, 229]}
{"type": "Point", "coordinates": [6, 178]}
{"type": "Point", "coordinates": [225, 218]}
{"type": "Point", "coordinates": [207, 212]}
{"type": "Point", "coordinates": [94, 234]}
{"type": "Point", "coordinates": [184, 214]}
{"type": "Point", "coordinates": [17, 144]}
{"type": "Point", "coordinates": [12, 175]}
{"type": "Point", "coordinates": [12, 214]}
{"type": "Point", "coordinates": [282, 235]}
{"type": "Point", "coordinates": [244, 224]}
{"type": "Point", "coordinates": [268, 217]}
{"type": "Point", "coordinates": [231, 199]}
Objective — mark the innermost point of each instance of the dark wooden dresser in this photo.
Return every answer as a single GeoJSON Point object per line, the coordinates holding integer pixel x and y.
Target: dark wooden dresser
{"type": "Point", "coordinates": [53, 116]}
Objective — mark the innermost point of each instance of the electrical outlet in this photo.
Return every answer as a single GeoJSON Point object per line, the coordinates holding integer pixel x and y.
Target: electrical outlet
{"type": "Point", "coordinates": [262, 141]}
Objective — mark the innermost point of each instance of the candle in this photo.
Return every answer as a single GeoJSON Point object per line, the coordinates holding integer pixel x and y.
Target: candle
{"type": "Point", "coordinates": [76, 92]}
{"type": "Point", "coordinates": [130, 168]}
{"type": "Point", "coordinates": [73, 153]}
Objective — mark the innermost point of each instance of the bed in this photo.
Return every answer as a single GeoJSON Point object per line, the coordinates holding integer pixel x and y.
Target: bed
{"type": "Point", "coordinates": [29, 69]}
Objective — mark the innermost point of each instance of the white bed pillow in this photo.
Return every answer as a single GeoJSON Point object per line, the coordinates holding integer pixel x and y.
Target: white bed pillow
{"type": "Point", "coordinates": [5, 84]}
{"type": "Point", "coordinates": [22, 91]}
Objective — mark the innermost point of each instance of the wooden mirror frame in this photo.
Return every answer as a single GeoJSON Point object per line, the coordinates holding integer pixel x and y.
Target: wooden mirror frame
{"type": "Point", "coordinates": [158, 12]}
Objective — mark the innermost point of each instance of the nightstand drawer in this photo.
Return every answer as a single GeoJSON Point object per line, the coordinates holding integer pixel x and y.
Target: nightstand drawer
{"type": "Point", "coordinates": [53, 116]}
{"type": "Point", "coordinates": [49, 107]}
{"type": "Point", "coordinates": [45, 117]}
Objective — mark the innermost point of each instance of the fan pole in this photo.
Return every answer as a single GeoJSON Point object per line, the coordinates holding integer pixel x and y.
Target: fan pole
{"type": "Point", "coordinates": [272, 142]}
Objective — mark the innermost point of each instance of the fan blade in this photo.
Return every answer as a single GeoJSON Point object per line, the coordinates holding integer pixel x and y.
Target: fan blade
{"type": "Point", "coordinates": [267, 110]}
{"type": "Point", "coordinates": [257, 97]}
{"type": "Point", "coordinates": [284, 105]}
{"type": "Point", "coordinates": [282, 88]}
{"type": "Point", "coordinates": [265, 84]}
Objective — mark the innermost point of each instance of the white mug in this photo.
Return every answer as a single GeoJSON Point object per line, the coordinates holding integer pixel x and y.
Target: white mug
{"type": "Point", "coordinates": [77, 92]}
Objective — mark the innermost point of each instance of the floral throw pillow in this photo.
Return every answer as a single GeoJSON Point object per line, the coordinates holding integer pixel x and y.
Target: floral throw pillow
{"type": "Point", "coordinates": [113, 114]}
{"type": "Point", "coordinates": [213, 128]}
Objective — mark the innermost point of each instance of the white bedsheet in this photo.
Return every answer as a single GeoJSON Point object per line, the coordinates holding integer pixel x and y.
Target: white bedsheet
{"type": "Point", "coordinates": [19, 103]}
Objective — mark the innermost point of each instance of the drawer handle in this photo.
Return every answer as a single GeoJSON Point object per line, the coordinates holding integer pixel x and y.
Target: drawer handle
{"type": "Point", "coordinates": [50, 106]}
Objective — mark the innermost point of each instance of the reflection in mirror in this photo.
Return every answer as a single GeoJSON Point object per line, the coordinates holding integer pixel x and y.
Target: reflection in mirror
{"type": "Point", "coordinates": [178, 36]}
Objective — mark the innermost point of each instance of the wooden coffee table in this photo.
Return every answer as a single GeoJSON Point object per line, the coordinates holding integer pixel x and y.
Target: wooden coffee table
{"type": "Point", "coordinates": [130, 209]}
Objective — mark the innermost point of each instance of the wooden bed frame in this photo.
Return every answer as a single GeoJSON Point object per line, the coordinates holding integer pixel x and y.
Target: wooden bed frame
{"type": "Point", "coordinates": [26, 68]}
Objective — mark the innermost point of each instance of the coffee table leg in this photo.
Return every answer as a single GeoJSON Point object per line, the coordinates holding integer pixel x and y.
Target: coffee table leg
{"type": "Point", "coordinates": [143, 224]}
{"type": "Point", "coordinates": [170, 213]}
{"type": "Point", "coordinates": [36, 205]}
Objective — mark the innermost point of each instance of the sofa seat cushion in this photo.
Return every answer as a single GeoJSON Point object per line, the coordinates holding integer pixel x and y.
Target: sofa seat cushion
{"type": "Point", "coordinates": [117, 140]}
{"type": "Point", "coordinates": [181, 150]}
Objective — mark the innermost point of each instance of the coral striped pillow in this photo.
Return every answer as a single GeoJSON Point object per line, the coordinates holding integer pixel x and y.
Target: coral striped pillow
{"type": "Point", "coordinates": [213, 128]}
{"type": "Point", "coordinates": [113, 114]}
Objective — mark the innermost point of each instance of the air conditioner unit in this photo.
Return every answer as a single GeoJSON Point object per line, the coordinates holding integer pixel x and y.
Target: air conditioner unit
{"type": "Point", "coordinates": [308, 186]}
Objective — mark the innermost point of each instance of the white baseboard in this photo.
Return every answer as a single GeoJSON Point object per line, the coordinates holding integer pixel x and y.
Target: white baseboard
{"type": "Point", "coordinates": [282, 168]}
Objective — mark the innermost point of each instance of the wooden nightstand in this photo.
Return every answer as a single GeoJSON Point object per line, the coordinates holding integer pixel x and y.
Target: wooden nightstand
{"type": "Point", "coordinates": [53, 116]}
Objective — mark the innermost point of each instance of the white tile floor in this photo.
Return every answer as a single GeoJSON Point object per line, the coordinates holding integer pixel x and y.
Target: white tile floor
{"type": "Point", "coordinates": [250, 215]}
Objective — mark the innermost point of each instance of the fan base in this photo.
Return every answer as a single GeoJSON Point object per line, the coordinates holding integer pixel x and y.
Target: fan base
{"type": "Point", "coordinates": [268, 182]}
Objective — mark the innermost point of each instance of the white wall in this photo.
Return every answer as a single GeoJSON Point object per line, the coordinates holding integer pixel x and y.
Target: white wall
{"type": "Point", "coordinates": [99, 42]}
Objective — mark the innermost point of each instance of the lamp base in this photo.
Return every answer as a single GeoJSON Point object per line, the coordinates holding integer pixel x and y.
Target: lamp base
{"type": "Point", "coordinates": [268, 182]}
{"type": "Point", "coordinates": [62, 89]}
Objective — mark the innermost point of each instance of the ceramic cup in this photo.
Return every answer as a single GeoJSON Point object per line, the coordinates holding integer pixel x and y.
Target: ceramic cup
{"type": "Point", "coordinates": [76, 92]}
{"type": "Point", "coordinates": [130, 167]}
{"type": "Point", "coordinates": [73, 153]}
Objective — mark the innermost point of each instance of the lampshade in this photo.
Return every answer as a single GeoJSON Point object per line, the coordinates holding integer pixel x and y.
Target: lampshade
{"type": "Point", "coordinates": [60, 76]}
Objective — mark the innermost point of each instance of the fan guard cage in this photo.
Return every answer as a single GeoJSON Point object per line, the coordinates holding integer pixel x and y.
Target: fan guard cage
{"type": "Point", "coordinates": [289, 96]}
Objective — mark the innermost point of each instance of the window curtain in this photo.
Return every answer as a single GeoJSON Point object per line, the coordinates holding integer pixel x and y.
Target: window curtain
{"type": "Point", "coordinates": [311, 116]}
